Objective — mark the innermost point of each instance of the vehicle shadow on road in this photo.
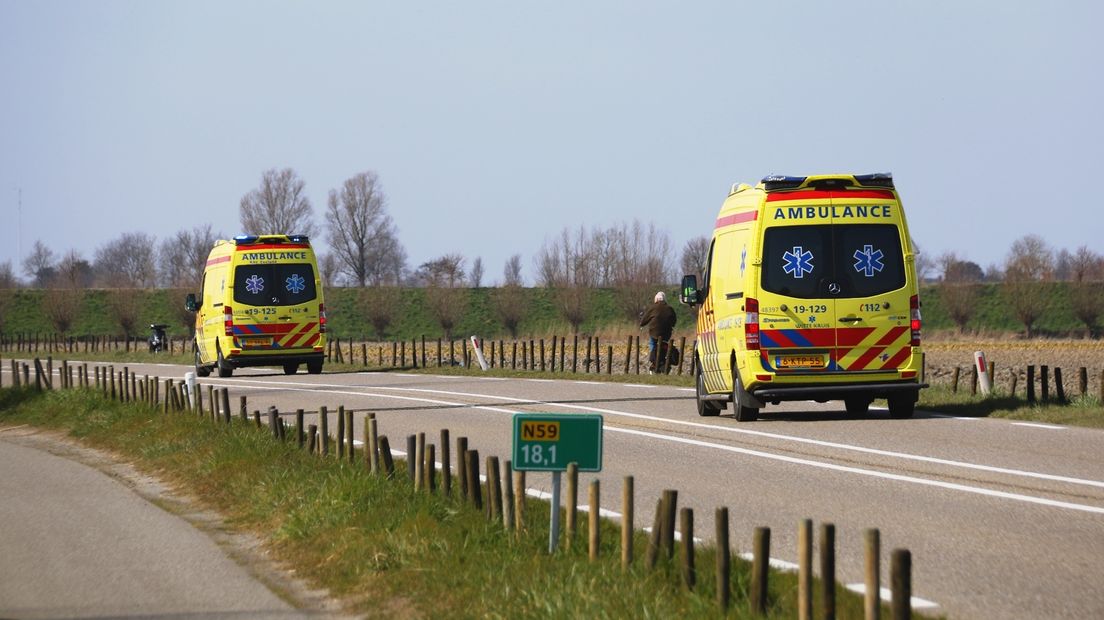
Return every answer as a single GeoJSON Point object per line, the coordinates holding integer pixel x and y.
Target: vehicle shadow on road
{"type": "Point", "coordinates": [841, 415]}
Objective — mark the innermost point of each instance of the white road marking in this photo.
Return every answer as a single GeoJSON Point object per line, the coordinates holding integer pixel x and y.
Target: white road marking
{"type": "Point", "coordinates": [887, 595]}
{"type": "Point", "coordinates": [1036, 425]}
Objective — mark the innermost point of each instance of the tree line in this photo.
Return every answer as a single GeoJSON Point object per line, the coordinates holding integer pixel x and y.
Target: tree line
{"type": "Point", "coordinates": [365, 251]}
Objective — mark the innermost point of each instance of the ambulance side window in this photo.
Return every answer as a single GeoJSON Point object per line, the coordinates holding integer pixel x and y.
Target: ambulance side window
{"type": "Point", "coordinates": [704, 288]}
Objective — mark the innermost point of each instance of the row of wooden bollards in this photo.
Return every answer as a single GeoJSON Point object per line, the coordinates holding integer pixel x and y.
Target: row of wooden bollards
{"type": "Point", "coordinates": [1043, 383]}
{"type": "Point", "coordinates": [497, 498]}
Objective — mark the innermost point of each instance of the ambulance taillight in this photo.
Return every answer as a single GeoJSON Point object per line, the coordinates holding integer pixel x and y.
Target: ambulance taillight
{"type": "Point", "coordinates": [228, 320]}
{"type": "Point", "coordinates": [914, 314]}
{"type": "Point", "coordinates": [322, 318]}
{"type": "Point", "coordinates": [751, 324]}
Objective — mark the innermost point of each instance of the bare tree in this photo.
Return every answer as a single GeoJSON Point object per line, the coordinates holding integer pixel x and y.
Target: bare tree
{"type": "Point", "coordinates": [124, 305]}
{"type": "Point", "coordinates": [923, 263]}
{"type": "Point", "coordinates": [363, 236]}
{"type": "Point", "coordinates": [7, 276]}
{"type": "Point", "coordinates": [510, 306]}
{"type": "Point", "coordinates": [183, 257]}
{"type": "Point", "coordinates": [74, 272]}
{"type": "Point", "coordinates": [1086, 265]}
{"type": "Point", "coordinates": [61, 306]}
{"type": "Point", "coordinates": [694, 255]}
{"type": "Point", "coordinates": [1086, 270]}
{"type": "Point", "coordinates": [443, 278]}
{"type": "Point", "coordinates": [960, 288]}
{"type": "Point", "coordinates": [380, 306]}
{"type": "Point", "coordinates": [1029, 264]}
{"type": "Point", "coordinates": [40, 265]}
{"type": "Point", "coordinates": [639, 259]}
{"type": "Point", "coordinates": [567, 265]}
{"type": "Point", "coordinates": [511, 274]}
{"type": "Point", "coordinates": [329, 269]}
{"type": "Point", "coordinates": [182, 316]}
{"type": "Point", "coordinates": [127, 262]}
{"type": "Point", "coordinates": [475, 276]}
{"type": "Point", "coordinates": [277, 206]}
{"type": "Point", "coordinates": [7, 286]}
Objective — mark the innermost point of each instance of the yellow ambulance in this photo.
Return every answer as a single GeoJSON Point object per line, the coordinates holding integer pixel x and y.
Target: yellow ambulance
{"type": "Point", "coordinates": [260, 304]}
{"type": "Point", "coordinates": [809, 293]}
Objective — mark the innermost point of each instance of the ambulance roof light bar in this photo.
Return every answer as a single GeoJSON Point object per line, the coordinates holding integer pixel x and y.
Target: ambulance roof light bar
{"type": "Point", "coordinates": [248, 239]}
{"type": "Point", "coordinates": [775, 182]}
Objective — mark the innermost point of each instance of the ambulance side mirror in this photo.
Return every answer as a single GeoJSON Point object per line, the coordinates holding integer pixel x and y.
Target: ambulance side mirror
{"type": "Point", "coordinates": [690, 294]}
{"type": "Point", "coordinates": [190, 303]}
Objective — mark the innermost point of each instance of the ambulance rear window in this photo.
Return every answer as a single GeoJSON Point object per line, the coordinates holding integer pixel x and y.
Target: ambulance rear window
{"type": "Point", "coordinates": [804, 261]}
{"type": "Point", "coordinates": [274, 285]}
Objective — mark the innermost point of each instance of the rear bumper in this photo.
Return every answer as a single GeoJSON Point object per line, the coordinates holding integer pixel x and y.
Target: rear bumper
{"type": "Point", "coordinates": [243, 360]}
{"type": "Point", "coordinates": [836, 392]}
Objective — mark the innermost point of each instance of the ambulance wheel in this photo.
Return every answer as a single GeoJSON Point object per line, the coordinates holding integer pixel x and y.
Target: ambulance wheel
{"type": "Point", "coordinates": [291, 368]}
{"type": "Point", "coordinates": [902, 405]}
{"type": "Point", "coordinates": [857, 405]}
{"type": "Point", "coordinates": [743, 413]}
{"type": "Point", "coordinates": [201, 369]}
{"type": "Point", "coordinates": [314, 368]}
{"type": "Point", "coordinates": [224, 369]}
{"type": "Point", "coordinates": [706, 408]}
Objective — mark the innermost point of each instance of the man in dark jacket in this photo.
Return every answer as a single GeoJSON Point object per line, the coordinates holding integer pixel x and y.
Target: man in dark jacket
{"type": "Point", "coordinates": [660, 320]}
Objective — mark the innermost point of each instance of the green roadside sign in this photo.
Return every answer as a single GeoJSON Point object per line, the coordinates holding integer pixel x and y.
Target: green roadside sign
{"type": "Point", "coordinates": [549, 441]}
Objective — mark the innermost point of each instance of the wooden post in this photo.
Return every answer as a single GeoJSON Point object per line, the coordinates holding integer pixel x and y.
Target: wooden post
{"type": "Point", "coordinates": [494, 490]}
{"type": "Point", "coordinates": [609, 359]}
{"type": "Point", "coordinates": [374, 448]}
{"type": "Point", "coordinates": [587, 359]}
{"type": "Point", "coordinates": [900, 580]}
{"type": "Point", "coordinates": [686, 534]}
{"type": "Point", "coordinates": [257, 418]}
{"type": "Point", "coordinates": [724, 560]}
{"type": "Point", "coordinates": [954, 378]}
{"type": "Point", "coordinates": [446, 463]}
{"type": "Point", "coordinates": [431, 468]}
{"type": "Point", "coordinates": [572, 501]}
{"type": "Point", "coordinates": [828, 570]}
{"type": "Point", "coordinates": [385, 455]}
{"type": "Point", "coordinates": [472, 472]}
{"type": "Point", "coordinates": [508, 494]}
{"type": "Point", "coordinates": [243, 410]}
{"type": "Point", "coordinates": [628, 354]}
{"type": "Point", "coordinates": [519, 502]}
{"type": "Point", "coordinates": [1083, 381]}
{"type": "Point", "coordinates": [341, 432]}
{"type": "Point", "coordinates": [553, 366]}
{"type": "Point", "coordinates": [324, 430]}
{"type": "Point", "coordinates": [1030, 384]}
{"type": "Point", "coordinates": [872, 595]}
{"type": "Point", "coordinates": [973, 380]}
{"type": "Point", "coordinates": [1059, 388]}
{"type": "Point", "coordinates": [636, 362]}
{"type": "Point", "coordinates": [670, 505]}
{"type": "Point", "coordinates": [312, 443]}
{"type": "Point", "coordinates": [225, 404]}
{"type": "Point", "coordinates": [462, 465]}
{"type": "Point", "coordinates": [627, 523]}
{"type": "Point", "coordinates": [655, 539]}
{"type": "Point", "coordinates": [411, 461]}
{"type": "Point", "coordinates": [300, 437]}
{"type": "Point", "coordinates": [1044, 380]}
{"type": "Point", "coordinates": [418, 461]}
{"type": "Point", "coordinates": [593, 521]}
{"type": "Point", "coordinates": [760, 569]}
{"type": "Point", "coordinates": [1014, 379]}
{"type": "Point", "coordinates": [542, 354]}
{"type": "Point", "coordinates": [273, 417]}
{"type": "Point", "coordinates": [805, 569]}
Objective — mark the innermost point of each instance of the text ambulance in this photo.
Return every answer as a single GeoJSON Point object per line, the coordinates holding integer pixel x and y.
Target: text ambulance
{"type": "Point", "coordinates": [809, 293]}
{"type": "Point", "coordinates": [260, 305]}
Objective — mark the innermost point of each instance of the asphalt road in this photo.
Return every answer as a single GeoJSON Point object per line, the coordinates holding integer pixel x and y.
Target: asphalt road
{"type": "Point", "coordinates": [1003, 519]}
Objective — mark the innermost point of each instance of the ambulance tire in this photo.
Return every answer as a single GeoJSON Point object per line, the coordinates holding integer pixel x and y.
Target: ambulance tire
{"type": "Point", "coordinates": [224, 369]}
{"type": "Point", "coordinates": [291, 368]}
{"type": "Point", "coordinates": [857, 405]}
{"type": "Point", "coordinates": [901, 406]}
{"type": "Point", "coordinates": [314, 368]}
{"type": "Point", "coordinates": [706, 408]}
{"type": "Point", "coordinates": [743, 413]}
{"type": "Point", "coordinates": [201, 369]}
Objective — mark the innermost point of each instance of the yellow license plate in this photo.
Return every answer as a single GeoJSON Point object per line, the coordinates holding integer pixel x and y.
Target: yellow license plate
{"type": "Point", "coordinates": [251, 343]}
{"type": "Point", "coordinates": [799, 361]}
{"type": "Point", "coordinates": [540, 430]}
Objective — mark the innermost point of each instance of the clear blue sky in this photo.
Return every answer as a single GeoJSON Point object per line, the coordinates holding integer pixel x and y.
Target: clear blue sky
{"type": "Point", "coordinates": [495, 124]}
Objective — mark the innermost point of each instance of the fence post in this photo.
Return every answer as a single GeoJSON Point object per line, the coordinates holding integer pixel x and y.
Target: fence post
{"type": "Point", "coordinates": [373, 445]}
{"type": "Point", "coordinates": [243, 409]}
{"type": "Point", "coordinates": [340, 432]}
{"type": "Point", "coordinates": [627, 523]}
{"type": "Point", "coordinates": [954, 378]}
{"type": "Point", "coordinates": [1044, 379]}
{"type": "Point", "coordinates": [226, 405]}
{"type": "Point", "coordinates": [628, 354]}
{"type": "Point", "coordinates": [494, 490]}
{"type": "Point", "coordinates": [462, 465]}
{"type": "Point", "coordinates": [299, 435]}
{"type": "Point", "coordinates": [1083, 381]}
{"type": "Point", "coordinates": [636, 358]}
{"type": "Point", "coordinates": [324, 430]}
{"type": "Point", "coordinates": [828, 570]}
{"type": "Point", "coordinates": [418, 459]}
{"type": "Point", "coordinates": [900, 578]}
{"type": "Point", "coordinates": [724, 559]}
{"type": "Point", "coordinates": [760, 569]}
{"type": "Point", "coordinates": [446, 463]}
{"type": "Point", "coordinates": [655, 541]}
{"type": "Point", "coordinates": [1031, 384]}
{"type": "Point", "coordinates": [474, 491]}
{"type": "Point", "coordinates": [431, 468]}
{"type": "Point", "coordinates": [519, 502]}
{"type": "Point", "coordinates": [385, 454]}
{"type": "Point", "coordinates": [575, 354]}
{"type": "Point", "coordinates": [805, 569]}
{"type": "Point", "coordinates": [312, 433]}
{"type": "Point", "coordinates": [1059, 387]}
{"type": "Point", "coordinates": [686, 534]}
{"type": "Point", "coordinates": [593, 521]}
{"type": "Point", "coordinates": [411, 461]}
{"type": "Point", "coordinates": [508, 495]}
{"type": "Point", "coordinates": [872, 595]}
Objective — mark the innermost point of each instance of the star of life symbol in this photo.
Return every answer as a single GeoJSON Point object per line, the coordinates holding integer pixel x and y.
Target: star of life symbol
{"type": "Point", "coordinates": [254, 284]}
{"type": "Point", "coordinates": [743, 260]}
{"type": "Point", "coordinates": [869, 261]}
{"type": "Point", "coordinates": [798, 262]}
{"type": "Point", "coordinates": [295, 284]}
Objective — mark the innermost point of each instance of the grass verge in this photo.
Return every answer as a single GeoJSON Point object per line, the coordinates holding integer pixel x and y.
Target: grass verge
{"type": "Point", "coordinates": [377, 544]}
{"type": "Point", "coordinates": [1080, 411]}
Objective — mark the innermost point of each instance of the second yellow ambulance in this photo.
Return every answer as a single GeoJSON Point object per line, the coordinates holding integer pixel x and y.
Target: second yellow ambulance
{"type": "Point", "coordinates": [809, 293]}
